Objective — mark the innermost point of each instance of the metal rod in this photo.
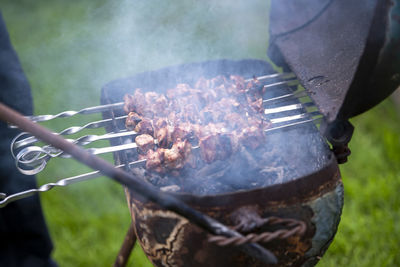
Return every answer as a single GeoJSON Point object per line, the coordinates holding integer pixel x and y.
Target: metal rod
{"type": "Point", "coordinates": [139, 187]}
{"type": "Point", "coordinates": [286, 75]}
{"type": "Point", "coordinates": [291, 107]}
{"type": "Point", "coordinates": [295, 117]}
{"type": "Point", "coordinates": [295, 81]}
{"type": "Point", "coordinates": [6, 199]}
{"type": "Point", "coordinates": [315, 120]}
{"type": "Point", "coordinates": [297, 94]}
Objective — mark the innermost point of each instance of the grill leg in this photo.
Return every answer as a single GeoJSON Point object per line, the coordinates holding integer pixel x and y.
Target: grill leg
{"type": "Point", "coordinates": [126, 248]}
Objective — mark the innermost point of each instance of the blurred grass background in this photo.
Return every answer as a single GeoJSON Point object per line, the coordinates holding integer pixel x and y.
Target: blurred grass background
{"type": "Point", "coordinates": [69, 49]}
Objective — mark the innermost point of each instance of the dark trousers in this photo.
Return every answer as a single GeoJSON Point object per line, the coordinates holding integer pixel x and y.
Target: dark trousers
{"type": "Point", "coordinates": [24, 238]}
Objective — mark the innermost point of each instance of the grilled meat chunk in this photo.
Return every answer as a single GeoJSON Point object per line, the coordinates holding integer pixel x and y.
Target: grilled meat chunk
{"type": "Point", "coordinates": [220, 115]}
{"type": "Point", "coordinates": [163, 136]}
{"type": "Point", "coordinates": [155, 160]}
{"type": "Point", "coordinates": [182, 131]}
{"type": "Point", "coordinates": [252, 137]}
{"type": "Point", "coordinates": [164, 159]}
{"type": "Point", "coordinates": [160, 106]}
{"type": "Point", "coordinates": [132, 120]}
{"type": "Point", "coordinates": [128, 103]}
{"type": "Point", "coordinates": [145, 126]}
{"type": "Point", "coordinates": [145, 142]}
{"type": "Point", "coordinates": [175, 157]}
{"type": "Point", "coordinates": [215, 147]}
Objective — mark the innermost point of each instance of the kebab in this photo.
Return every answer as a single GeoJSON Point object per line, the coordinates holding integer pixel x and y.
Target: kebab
{"type": "Point", "coordinates": [217, 115]}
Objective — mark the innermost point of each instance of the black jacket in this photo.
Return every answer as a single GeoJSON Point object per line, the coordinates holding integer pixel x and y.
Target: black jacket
{"type": "Point", "coordinates": [24, 238]}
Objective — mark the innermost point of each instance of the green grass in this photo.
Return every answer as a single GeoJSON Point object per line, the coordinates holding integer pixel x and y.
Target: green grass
{"type": "Point", "coordinates": [69, 49]}
{"type": "Point", "coordinates": [369, 232]}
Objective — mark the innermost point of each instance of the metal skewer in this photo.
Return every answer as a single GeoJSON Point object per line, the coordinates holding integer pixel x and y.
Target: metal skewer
{"type": "Point", "coordinates": [6, 199]}
{"type": "Point", "coordinates": [298, 94]}
{"type": "Point", "coordinates": [119, 105]}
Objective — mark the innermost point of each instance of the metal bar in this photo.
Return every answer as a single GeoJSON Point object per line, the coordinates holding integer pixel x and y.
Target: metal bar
{"type": "Point", "coordinates": [287, 75]}
{"type": "Point", "coordinates": [298, 94]}
{"type": "Point", "coordinates": [315, 120]}
{"type": "Point", "coordinates": [149, 192]}
{"type": "Point", "coordinates": [60, 183]}
{"type": "Point", "coordinates": [281, 83]}
{"type": "Point", "coordinates": [295, 117]}
{"type": "Point", "coordinates": [287, 108]}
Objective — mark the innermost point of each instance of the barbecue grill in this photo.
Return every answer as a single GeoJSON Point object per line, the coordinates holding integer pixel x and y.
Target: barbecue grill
{"type": "Point", "coordinates": [326, 81]}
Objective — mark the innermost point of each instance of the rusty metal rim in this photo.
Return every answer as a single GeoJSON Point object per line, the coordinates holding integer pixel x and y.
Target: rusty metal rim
{"type": "Point", "coordinates": [293, 192]}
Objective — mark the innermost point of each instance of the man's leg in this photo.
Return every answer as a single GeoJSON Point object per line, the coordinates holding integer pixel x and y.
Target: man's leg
{"type": "Point", "coordinates": [24, 238]}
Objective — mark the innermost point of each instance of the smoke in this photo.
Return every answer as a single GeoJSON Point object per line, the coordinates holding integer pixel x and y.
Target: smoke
{"type": "Point", "coordinates": [78, 48]}
{"type": "Point", "coordinates": [90, 44]}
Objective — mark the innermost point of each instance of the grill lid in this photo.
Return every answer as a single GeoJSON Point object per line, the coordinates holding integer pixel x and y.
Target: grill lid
{"type": "Point", "coordinates": [343, 51]}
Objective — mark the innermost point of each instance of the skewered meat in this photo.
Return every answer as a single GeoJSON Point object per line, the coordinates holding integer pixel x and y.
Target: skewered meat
{"type": "Point", "coordinates": [164, 159]}
{"type": "Point", "coordinates": [160, 106]}
{"type": "Point", "coordinates": [252, 137]}
{"type": "Point", "coordinates": [257, 105]}
{"type": "Point", "coordinates": [155, 160]}
{"type": "Point", "coordinates": [145, 126]}
{"type": "Point", "coordinates": [215, 147]}
{"type": "Point", "coordinates": [182, 131]}
{"type": "Point", "coordinates": [132, 120]}
{"type": "Point", "coordinates": [128, 103]}
{"type": "Point", "coordinates": [163, 136]}
{"type": "Point", "coordinates": [235, 120]}
{"type": "Point", "coordinates": [175, 157]}
{"type": "Point", "coordinates": [145, 142]}
{"type": "Point", "coordinates": [220, 115]}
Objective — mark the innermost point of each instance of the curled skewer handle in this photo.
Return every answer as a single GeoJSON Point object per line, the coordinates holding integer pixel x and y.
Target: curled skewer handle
{"type": "Point", "coordinates": [33, 166]}
{"type": "Point", "coordinates": [33, 159]}
{"type": "Point", "coordinates": [81, 141]}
